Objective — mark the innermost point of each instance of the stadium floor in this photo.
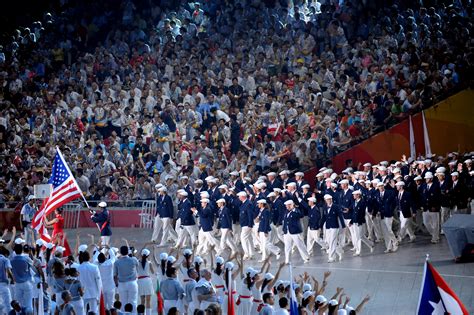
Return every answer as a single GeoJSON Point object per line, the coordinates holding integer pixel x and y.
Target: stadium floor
{"type": "Point", "coordinates": [392, 280]}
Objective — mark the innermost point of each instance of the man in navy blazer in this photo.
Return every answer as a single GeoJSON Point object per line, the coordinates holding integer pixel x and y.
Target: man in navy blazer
{"type": "Point", "coordinates": [224, 223]}
{"type": "Point", "coordinates": [357, 224]}
{"type": "Point", "coordinates": [406, 209]}
{"type": "Point", "coordinates": [431, 200]}
{"type": "Point", "coordinates": [188, 223]}
{"type": "Point", "coordinates": [246, 216]}
{"type": "Point", "coordinates": [165, 210]}
{"type": "Point", "coordinates": [345, 200]}
{"type": "Point", "coordinates": [386, 207]}
{"type": "Point", "coordinates": [334, 223]}
{"type": "Point", "coordinates": [206, 222]}
{"type": "Point", "coordinates": [264, 219]}
{"type": "Point", "coordinates": [292, 232]}
{"type": "Point", "coordinates": [314, 226]}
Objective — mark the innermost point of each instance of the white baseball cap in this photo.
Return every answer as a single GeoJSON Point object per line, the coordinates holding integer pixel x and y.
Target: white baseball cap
{"type": "Point", "coordinates": [19, 240]}
{"type": "Point", "coordinates": [82, 248]}
{"type": "Point", "coordinates": [357, 192]}
{"type": "Point", "coordinates": [418, 178]}
{"type": "Point", "coordinates": [312, 199]}
{"type": "Point", "coordinates": [183, 193]}
{"type": "Point", "coordinates": [289, 202]}
{"type": "Point", "coordinates": [145, 252]}
{"type": "Point", "coordinates": [428, 175]}
{"type": "Point", "coordinates": [307, 294]}
{"type": "Point", "coordinates": [242, 194]}
{"type": "Point", "coordinates": [400, 183]}
{"type": "Point", "coordinates": [321, 299]}
{"type": "Point", "coordinates": [327, 197]}
{"type": "Point", "coordinates": [171, 259]}
{"type": "Point", "coordinates": [234, 173]}
{"type": "Point", "coordinates": [221, 200]}
{"type": "Point", "coordinates": [164, 256]}
{"type": "Point", "coordinates": [272, 194]}
{"type": "Point", "coordinates": [102, 204]}
{"type": "Point", "coordinates": [344, 181]}
{"type": "Point", "coordinates": [299, 174]}
{"type": "Point", "coordinates": [223, 186]}
{"type": "Point", "coordinates": [59, 249]}
{"type": "Point", "coordinates": [262, 201]}
{"type": "Point", "coordinates": [205, 200]}
{"type": "Point", "coordinates": [306, 186]}
{"type": "Point", "coordinates": [187, 252]}
{"type": "Point", "coordinates": [454, 174]}
{"type": "Point", "coordinates": [39, 242]}
{"type": "Point", "coordinates": [269, 276]}
{"type": "Point", "coordinates": [220, 260]}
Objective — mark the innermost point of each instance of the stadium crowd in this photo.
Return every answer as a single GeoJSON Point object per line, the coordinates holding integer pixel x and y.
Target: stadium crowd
{"type": "Point", "coordinates": [135, 94]}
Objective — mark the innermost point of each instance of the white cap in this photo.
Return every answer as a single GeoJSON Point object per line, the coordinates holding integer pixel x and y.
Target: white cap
{"type": "Point", "coordinates": [367, 164]}
{"type": "Point", "coordinates": [400, 183]}
{"type": "Point", "coordinates": [269, 276]}
{"type": "Point", "coordinates": [204, 194]}
{"type": "Point", "coordinates": [397, 177]}
{"type": "Point", "coordinates": [187, 252]}
{"type": "Point", "coordinates": [242, 171]}
{"type": "Point", "coordinates": [329, 179]}
{"type": "Point", "coordinates": [344, 181]}
{"type": "Point", "coordinates": [375, 181]}
{"type": "Point", "coordinates": [209, 178]}
{"type": "Point", "coordinates": [272, 194]}
{"type": "Point", "coordinates": [59, 249]}
{"type": "Point", "coordinates": [19, 240]}
{"type": "Point", "coordinates": [468, 161]}
{"type": "Point", "coordinates": [82, 248]}
{"type": "Point", "coordinates": [220, 260]}
{"type": "Point", "coordinates": [382, 168]}
{"type": "Point", "coordinates": [341, 311]}
{"type": "Point", "coordinates": [307, 287]}
{"type": "Point", "coordinates": [428, 175]}
{"type": "Point", "coordinates": [396, 170]}
{"type": "Point", "coordinates": [385, 163]}
{"type": "Point", "coordinates": [229, 265]}
{"type": "Point", "coordinates": [357, 192]}
{"type": "Point", "coordinates": [306, 186]}
{"type": "Point", "coordinates": [321, 299]}
{"type": "Point", "coordinates": [214, 180]}
{"type": "Point", "coordinates": [418, 178]}
{"type": "Point", "coordinates": [49, 245]}
{"type": "Point", "coordinates": [427, 161]}
{"type": "Point", "coordinates": [328, 171]}
{"type": "Point", "coordinates": [272, 174]}
{"type": "Point", "coordinates": [347, 170]}
{"type": "Point", "coordinates": [327, 197]}
{"type": "Point", "coordinates": [242, 194]}
{"type": "Point", "coordinates": [441, 169]}
{"type": "Point", "coordinates": [349, 309]}
{"type": "Point", "coordinates": [367, 181]}
{"type": "Point", "coordinates": [234, 173]}
{"type": "Point", "coordinates": [198, 181]}
{"type": "Point", "coordinates": [163, 188]}
{"type": "Point", "coordinates": [145, 252]}
{"type": "Point", "coordinates": [171, 259]}
{"type": "Point", "coordinates": [452, 163]}
{"type": "Point", "coordinates": [205, 200]}
{"type": "Point", "coordinates": [258, 185]}
{"type": "Point", "coordinates": [284, 172]}
{"type": "Point", "coordinates": [454, 174]}
{"type": "Point", "coordinates": [333, 302]}
{"type": "Point", "coordinates": [158, 186]}
{"type": "Point", "coordinates": [223, 186]}
{"type": "Point", "coordinates": [380, 184]}
{"type": "Point", "coordinates": [334, 185]}
{"type": "Point", "coordinates": [319, 175]}
{"type": "Point", "coordinates": [221, 200]}
{"type": "Point", "coordinates": [254, 272]}
{"type": "Point", "coordinates": [312, 199]}
{"type": "Point", "coordinates": [39, 242]}
{"type": "Point", "coordinates": [299, 174]}
{"type": "Point", "coordinates": [31, 197]}
{"type": "Point", "coordinates": [164, 256]}
{"type": "Point", "coordinates": [262, 201]}
{"type": "Point", "coordinates": [307, 294]}
{"type": "Point", "coordinates": [102, 204]}
{"type": "Point", "coordinates": [292, 184]}
{"type": "Point", "coordinates": [289, 202]}
{"type": "Point", "coordinates": [198, 260]}
{"type": "Point", "coordinates": [183, 193]}
{"type": "Point", "coordinates": [277, 190]}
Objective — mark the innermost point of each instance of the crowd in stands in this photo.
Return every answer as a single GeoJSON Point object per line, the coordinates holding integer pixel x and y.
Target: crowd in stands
{"type": "Point", "coordinates": [137, 94]}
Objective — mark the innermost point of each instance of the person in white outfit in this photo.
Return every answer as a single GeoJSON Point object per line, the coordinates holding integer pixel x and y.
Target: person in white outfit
{"type": "Point", "coordinates": [106, 270]}
{"type": "Point", "coordinates": [293, 232]}
{"type": "Point", "coordinates": [125, 277]}
{"type": "Point", "coordinates": [145, 283]}
{"type": "Point", "coordinates": [89, 276]}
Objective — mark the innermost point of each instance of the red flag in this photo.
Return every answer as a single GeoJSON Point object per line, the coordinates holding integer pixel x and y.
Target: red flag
{"type": "Point", "coordinates": [159, 298]}
{"type": "Point", "coordinates": [102, 304]}
{"type": "Point", "coordinates": [230, 295]}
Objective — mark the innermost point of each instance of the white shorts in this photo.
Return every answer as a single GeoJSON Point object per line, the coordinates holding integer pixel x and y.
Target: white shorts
{"type": "Point", "coordinates": [145, 286]}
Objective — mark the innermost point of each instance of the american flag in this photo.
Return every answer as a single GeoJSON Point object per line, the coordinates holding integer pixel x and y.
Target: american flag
{"type": "Point", "coordinates": [65, 189]}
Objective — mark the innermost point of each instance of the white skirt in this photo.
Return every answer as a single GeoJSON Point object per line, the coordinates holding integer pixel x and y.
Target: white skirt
{"type": "Point", "coordinates": [145, 286]}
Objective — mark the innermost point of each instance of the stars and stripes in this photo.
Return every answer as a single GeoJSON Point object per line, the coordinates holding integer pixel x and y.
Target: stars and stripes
{"type": "Point", "coordinates": [65, 189]}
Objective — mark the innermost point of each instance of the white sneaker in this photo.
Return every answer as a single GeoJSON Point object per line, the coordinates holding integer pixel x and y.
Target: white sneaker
{"type": "Point", "coordinates": [339, 256]}
{"type": "Point", "coordinates": [387, 251]}
{"type": "Point", "coordinates": [356, 254]}
{"type": "Point", "coordinates": [305, 261]}
{"type": "Point", "coordinates": [278, 255]}
{"type": "Point", "coordinates": [331, 260]}
{"type": "Point", "coordinates": [372, 249]}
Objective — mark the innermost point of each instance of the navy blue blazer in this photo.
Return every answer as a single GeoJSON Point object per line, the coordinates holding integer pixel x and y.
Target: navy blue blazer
{"type": "Point", "coordinates": [235, 209]}
{"type": "Point", "coordinates": [405, 204]}
{"type": "Point", "coordinates": [346, 200]}
{"type": "Point", "coordinates": [358, 213]}
{"type": "Point", "coordinates": [103, 220]}
{"type": "Point", "coordinates": [431, 197]}
{"type": "Point", "coordinates": [280, 209]}
{"type": "Point", "coordinates": [185, 213]}
{"type": "Point", "coordinates": [164, 206]}
{"type": "Point", "coordinates": [206, 218]}
{"type": "Point", "coordinates": [387, 204]}
{"type": "Point", "coordinates": [246, 214]}
{"type": "Point", "coordinates": [333, 217]}
{"type": "Point", "coordinates": [292, 222]}
{"type": "Point", "coordinates": [265, 217]}
{"type": "Point", "coordinates": [225, 218]}
{"type": "Point", "coordinates": [314, 218]}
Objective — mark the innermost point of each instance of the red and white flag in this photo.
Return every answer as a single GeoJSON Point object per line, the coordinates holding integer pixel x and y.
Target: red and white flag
{"type": "Point", "coordinates": [65, 189]}
{"type": "Point", "coordinates": [230, 294]}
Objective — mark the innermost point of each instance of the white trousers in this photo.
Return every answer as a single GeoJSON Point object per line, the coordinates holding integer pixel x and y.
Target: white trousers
{"type": "Point", "coordinates": [5, 297]}
{"type": "Point", "coordinates": [294, 239]}
{"type": "Point", "coordinates": [373, 227]}
{"type": "Point", "coordinates": [312, 237]}
{"type": "Point", "coordinates": [266, 246]}
{"type": "Point", "coordinates": [245, 239]}
{"type": "Point", "coordinates": [236, 230]}
{"type": "Point", "coordinates": [332, 236]}
{"type": "Point", "coordinates": [280, 233]}
{"type": "Point", "coordinates": [358, 237]}
{"type": "Point", "coordinates": [24, 294]}
{"type": "Point", "coordinates": [128, 292]}
{"type": "Point", "coordinates": [168, 232]}
{"type": "Point", "coordinates": [109, 298]}
{"type": "Point", "coordinates": [105, 240]}
{"type": "Point", "coordinates": [345, 234]}
{"type": "Point", "coordinates": [167, 304]}
{"type": "Point", "coordinates": [206, 239]}
{"type": "Point", "coordinates": [79, 307]}
{"type": "Point", "coordinates": [389, 237]}
{"type": "Point", "coordinates": [431, 222]}
{"type": "Point", "coordinates": [157, 226]}
{"type": "Point", "coordinates": [406, 227]}
{"type": "Point", "coordinates": [227, 241]}
{"type": "Point", "coordinates": [187, 231]}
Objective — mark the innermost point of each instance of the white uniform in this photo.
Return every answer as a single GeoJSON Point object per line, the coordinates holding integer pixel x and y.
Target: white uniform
{"type": "Point", "coordinates": [106, 270]}
{"type": "Point", "coordinates": [145, 284]}
{"type": "Point", "coordinates": [90, 279]}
